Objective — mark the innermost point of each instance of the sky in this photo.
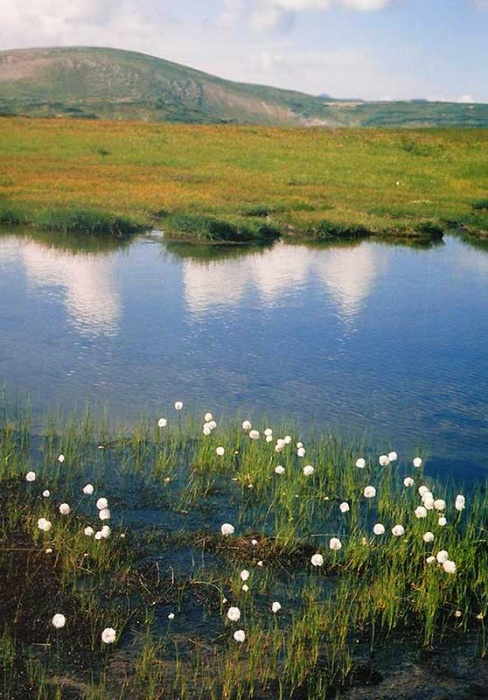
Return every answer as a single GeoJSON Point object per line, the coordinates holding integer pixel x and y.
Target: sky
{"type": "Point", "coordinates": [358, 49]}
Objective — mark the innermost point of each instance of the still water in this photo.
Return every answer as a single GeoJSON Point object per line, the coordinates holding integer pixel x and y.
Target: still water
{"type": "Point", "coordinates": [388, 342]}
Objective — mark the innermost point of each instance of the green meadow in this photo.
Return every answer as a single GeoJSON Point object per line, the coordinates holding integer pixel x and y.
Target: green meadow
{"type": "Point", "coordinates": [241, 184]}
{"type": "Point", "coordinates": [185, 558]}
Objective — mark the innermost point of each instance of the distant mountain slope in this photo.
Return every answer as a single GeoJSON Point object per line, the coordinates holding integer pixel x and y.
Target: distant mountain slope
{"type": "Point", "coordinates": [114, 84]}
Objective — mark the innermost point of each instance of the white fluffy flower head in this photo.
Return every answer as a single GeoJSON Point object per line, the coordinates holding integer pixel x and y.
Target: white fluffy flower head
{"type": "Point", "coordinates": [234, 614]}
{"type": "Point", "coordinates": [227, 529]}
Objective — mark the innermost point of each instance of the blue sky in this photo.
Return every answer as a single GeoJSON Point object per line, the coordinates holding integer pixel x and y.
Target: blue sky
{"type": "Point", "coordinates": [369, 49]}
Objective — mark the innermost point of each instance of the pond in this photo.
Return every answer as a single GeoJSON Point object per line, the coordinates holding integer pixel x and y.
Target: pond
{"type": "Point", "coordinates": [386, 342]}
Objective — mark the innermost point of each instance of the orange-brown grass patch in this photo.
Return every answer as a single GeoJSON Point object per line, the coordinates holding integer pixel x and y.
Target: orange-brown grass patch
{"type": "Point", "coordinates": [387, 181]}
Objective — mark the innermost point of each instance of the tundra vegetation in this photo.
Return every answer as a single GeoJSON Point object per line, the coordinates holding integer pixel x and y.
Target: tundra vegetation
{"type": "Point", "coordinates": [229, 183]}
{"type": "Point", "coordinates": [185, 558]}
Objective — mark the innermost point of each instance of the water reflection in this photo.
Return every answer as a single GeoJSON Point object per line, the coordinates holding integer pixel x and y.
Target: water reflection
{"type": "Point", "coordinates": [347, 273]}
{"type": "Point", "coordinates": [83, 282]}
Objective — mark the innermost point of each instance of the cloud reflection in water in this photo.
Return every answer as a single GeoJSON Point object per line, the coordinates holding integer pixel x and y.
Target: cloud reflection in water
{"type": "Point", "coordinates": [347, 273]}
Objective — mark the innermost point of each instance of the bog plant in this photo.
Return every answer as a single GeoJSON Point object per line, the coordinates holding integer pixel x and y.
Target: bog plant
{"type": "Point", "coordinates": [227, 183]}
{"type": "Point", "coordinates": [165, 557]}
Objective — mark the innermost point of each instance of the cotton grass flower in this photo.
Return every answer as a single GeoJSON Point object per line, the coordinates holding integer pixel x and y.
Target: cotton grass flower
{"type": "Point", "coordinates": [398, 530]}
{"type": "Point", "coordinates": [421, 512]}
{"type": "Point", "coordinates": [449, 566]}
{"type": "Point", "coordinates": [308, 470]}
{"type": "Point", "coordinates": [30, 476]}
{"type": "Point", "coordinates": [408, 481]}
{"type": "Point", "coordinates": [171, 616]}
{"type": "Point", "coordinates": [460, 503]}
{"type": "Point", "coordinates": [46, 493]}
{"type": "Point", "coordinates": [220, 451]}
{"type": "Point", "coordinates": [428, 537]}
{"type": "Point", "coordinates": [227, 529]}
{"type": "Point", "coordinates": [234, 614]}
{"type": "Point", "coordinates": [439, 504]}
{"type": "Point", "coordinates": [430, 560]}
{"type": "Point", "coordinates": [44, 525]}
{"type": "Point", "coordinates": [64, 509]}
{"type": "Point", "coordinates": [423, 489]}
{"type": "Point", "coordinates": [428, 502]}
{"type": "Point", "coordinates": [106, 532]}
{"type": "Point", "coordinates": [360, 463]}
{"type": "Point", "coordinates": [244, 574]}
{"type": "Point", "coordinates": [279, 469]}
{"type": "Point", "coordinates": [268, 432]}
{"type": "Point", "coordinates": [392, 456]}
{"type": "Point", "coordinates": [369, 492]}
{"type": "Point", "coordinates": [442, 522]}
{"type": "Point", "coordinates": [240, 636]}
{"type": "Point", "coordinates": [383, 460]}
{"type": "Point", "coordinates": [88, 489]}
{"type": "Point", "coordinates": [344, 507]}
{"type": "Point", "coordinates": [208, 417]}
{"type": "Point", "coordinates": [206, 430]}
{"type": "Point", "coordinates": [245, 588]}
{"type": "Point", "coordinates": [108, 635]}
{"type": "Point", "coordinates": [442, 556]}
{"type": "Point", "coordinates": [280, 445]}
{"type": "Point", "coordinates": [89, 531]}
{"type": "Point", "coordinates": [58, 621]}
{"type": "Point", "coordinates": [417, 462]}
{"type": "Point", "coordinates": [246, 425]}
{"type": "Point", "coordinates": [162, 423]}
{"type": "Point", "coordinates": [276, 606]}
{"type": "Point", "coordinates": [254, 434]}
{"type": "Point", "coordinates": [335, 544]}
{"type": "Point", "coordinates": [317, 560]}
{"type": "Point", "coordinates": [379, 529]}
{"type": "Point", "coordinates": [102, 503]}
{"type": "Point", "coordinates": [61, 458]}
{"type": "Point", "coordinates": [301, 452]}
{"type": "Point", "coordinates": [178, 405]}
{"type": "Point", "coordinates": [104, 514]}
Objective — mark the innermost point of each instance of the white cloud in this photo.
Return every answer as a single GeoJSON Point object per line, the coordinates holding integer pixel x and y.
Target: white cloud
{"type": "Point", "coordinates": [268, 14]}
{"type": "Point", "coordinates": [267, 61]}
{"type": "Point", "coordinates": [480, 4]}
{"type": "Point", "coordinates": [366, 5]}
{"type": "Point", "coordinates": [466, 99]}
{"type": "Point", "coordinates": [233, 12]}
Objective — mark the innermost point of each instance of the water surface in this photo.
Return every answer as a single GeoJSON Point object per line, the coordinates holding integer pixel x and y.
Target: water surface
{"type": "Point", "coordinates": [389, 341]}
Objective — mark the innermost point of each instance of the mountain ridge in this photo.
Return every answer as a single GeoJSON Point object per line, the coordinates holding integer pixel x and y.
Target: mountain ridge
{"type": "Point", "coordinates": [106, 83]}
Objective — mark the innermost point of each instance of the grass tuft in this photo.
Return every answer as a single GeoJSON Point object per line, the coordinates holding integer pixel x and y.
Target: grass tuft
{"type": "Point", "coordinates": [11, 216]}
{"type": "Point", "coordinates": [205, 228]}
{"type": "Point", "coordinates": [88, 221]}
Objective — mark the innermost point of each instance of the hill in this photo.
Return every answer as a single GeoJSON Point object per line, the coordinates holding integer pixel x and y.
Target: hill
{"type": "Point", "coordinates": [100, 83]}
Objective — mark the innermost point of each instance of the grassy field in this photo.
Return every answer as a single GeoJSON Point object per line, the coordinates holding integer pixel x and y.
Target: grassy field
{"type": "Point", "coordinates": [242, 183]}
{"type": "Point", "coordinates": [187, 559]}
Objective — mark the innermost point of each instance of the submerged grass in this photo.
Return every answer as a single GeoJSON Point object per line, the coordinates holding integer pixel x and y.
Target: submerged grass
{"type": "Point", "coordinates": [229, 563]}
{"type": "Point", "coordinates": [223, 182]}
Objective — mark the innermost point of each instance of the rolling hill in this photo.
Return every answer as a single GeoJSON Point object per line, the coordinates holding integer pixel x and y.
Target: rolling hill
{"type": "Point", "coordinates": [100, 83]}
